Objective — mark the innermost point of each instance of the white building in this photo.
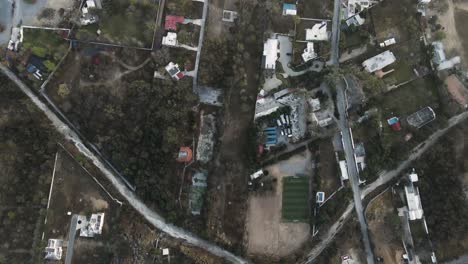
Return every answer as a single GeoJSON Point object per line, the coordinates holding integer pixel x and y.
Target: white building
{"type": "Point", "coordinates": [54, 249]}
{"type": "Point", "coordinates": [170, 39]}
{"type": "Point", "coordinates": [174, 71]}
{"type": "Point", "coordinates": [16, 39]}
{"type": "Point", "coordinates": [93, 226]}
{"type": "Point", "coordinates": [318, 32]}
{"type": "Point", "coordinates": [379, 62]}
{"type": "Point", "coordinates": [289, 9]}
{"type": "Point", "coordinates": [415, 210]}
{"type": "Point", "coordinates": [270, 54]}
{"type": "Point", "coordinates": [439, 53]}
{"type": "Point", "coordinates": [353, 9]}
{"type": "Point", "coordinates": [86, 17]}
{"type": "Point", "coordinates": [344, 170]}
{"type": "Point", "coordinates": [309, 52]}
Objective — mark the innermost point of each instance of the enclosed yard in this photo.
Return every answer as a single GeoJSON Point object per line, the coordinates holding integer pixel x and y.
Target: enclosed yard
{"type": "Point", "coordinates": [128, 23]}
{"type": "Point", "coordinates": [295, 198]}
{"type": "Point", "coordinates": [267, 233]}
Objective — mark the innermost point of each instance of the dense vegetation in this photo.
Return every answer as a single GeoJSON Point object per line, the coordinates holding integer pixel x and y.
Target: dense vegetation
{"type": "Point", "coordinates": [28, 147]}
{"type": "Point", "coordinates": [443, 198]}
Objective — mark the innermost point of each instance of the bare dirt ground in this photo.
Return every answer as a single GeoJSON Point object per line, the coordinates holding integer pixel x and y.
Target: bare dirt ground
{"type": "Point", "coordinates": [385, 239]}
{"type": "Point", "coordinates": [267, 235]}
{"type": "Point", "coordinates": [328, 170]}
{"type": "Point", "coordinates": [453, 41]}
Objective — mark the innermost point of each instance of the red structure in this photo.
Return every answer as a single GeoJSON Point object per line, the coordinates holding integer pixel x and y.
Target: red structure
{"type": "Point", "coordinates": [185, 154]}
{"type": "Point", "coordinates": [171, 22]}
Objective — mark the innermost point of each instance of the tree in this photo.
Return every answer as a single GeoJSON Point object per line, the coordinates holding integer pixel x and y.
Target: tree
{"type": "Point", "coordinates": [439, 35]}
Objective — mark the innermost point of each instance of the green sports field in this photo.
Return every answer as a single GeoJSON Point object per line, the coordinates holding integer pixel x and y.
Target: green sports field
{"type": "Point", "coordinates": [295, 198]}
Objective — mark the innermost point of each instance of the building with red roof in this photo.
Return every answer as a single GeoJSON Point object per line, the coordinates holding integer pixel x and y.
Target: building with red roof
{"type": "Point", "coordinates": [171, 22]}
{"type": "Point", "coordinates": [185, 154]}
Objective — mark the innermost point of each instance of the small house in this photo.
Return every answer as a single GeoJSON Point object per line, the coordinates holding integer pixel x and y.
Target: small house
{"type": "Point", "coordinates": [185, 154]}
{"type": "Point", "coordinates": [174, 71]}
{"type": "Point", "coordinates": [309, 52]}
{"type": "Point", "coordinates": [289, 9]}
{"type": "Point", "coordinates": [170, 39]}
{"type": "Point", "coordinates": [54, 249]}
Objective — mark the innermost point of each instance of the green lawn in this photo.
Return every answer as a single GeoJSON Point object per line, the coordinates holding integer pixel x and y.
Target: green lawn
{"type": "Point", "coordinates": [295, 198]}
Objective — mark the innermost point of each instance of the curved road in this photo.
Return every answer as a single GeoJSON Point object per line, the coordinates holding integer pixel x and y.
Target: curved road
{"type": "Point", "coordinates": [156, 220]}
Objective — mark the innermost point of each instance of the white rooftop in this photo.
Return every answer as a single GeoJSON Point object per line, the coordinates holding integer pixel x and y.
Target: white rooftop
{"type": "Point", "coordinates": [309, 52]}
{"type": "Point", "coordinates": [270, 53]}
{"type": "Point", "coordinates": [54, 249]}
{"type": "Point", "coordinates": [379, 62]}
{"type": "Point", "coordinates": [439, 53]}
{"type": "Point", "coordinates": [343, 169]}
{"type": "Point", "coordinates": [93, 226]}
{"type": "Point", "coordinates": [317, 33]}
{"type": "Point", "coordinates": [170, 39]}
{"type": "Point", "coordinates": [415, 210]}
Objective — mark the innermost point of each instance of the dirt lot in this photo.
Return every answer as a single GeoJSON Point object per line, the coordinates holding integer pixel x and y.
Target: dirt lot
{"type": "Point", "coordinates": [267, 235]}
{"type": "Point", "coordinates": [383, 220]}
{"type": "Point", "coordinates": [454, 20]}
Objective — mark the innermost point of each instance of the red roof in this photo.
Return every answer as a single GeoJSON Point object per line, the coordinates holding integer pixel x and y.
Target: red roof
{"type": "Point", "coordinates": [185, 154]}
{"type": "Point", "coordinates": [179, 75]}
{"type": "Point", "coordinates": [171, 22]}
{"type": "Point", "coordinates": [396, 126]}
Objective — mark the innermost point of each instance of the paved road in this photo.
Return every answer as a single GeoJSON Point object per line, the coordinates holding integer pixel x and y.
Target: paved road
{"type": "Point", "coordinates": [348, 146]}
{"type": "Point", "coordinates": [200, 44]}
{"type": "Point", "coordinates": [335, 39]}
{"type": "Point", "coordinates": [151, 216]}
{"type": "Point", "coordinates": [71, 239]}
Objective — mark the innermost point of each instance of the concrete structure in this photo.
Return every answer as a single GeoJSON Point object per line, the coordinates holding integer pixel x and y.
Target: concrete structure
{"type": "Point", "coordinates": [421, 117]}
{"type": "Point", "coordinates": [54, 249]}
{"type": "Point", "coordinates": [440, 59]}
{"type": "Point", "coordinates": [457, 90]}
{"type": "Point", "coordinates": [174, 71]}
{"type": "Point", "coordinates": [205, 144]}
{"type": "Point", "coordinates": [309, 52]}
{"type": "Point", "coordinates": [229, 16]}
{"type": "Point", "coordinates": [170, 39]}
{"type": "Point", "coordinates": [413, 199]}
{"type": "Point", "coordinates": [289, 9]}
{"type": "Point", "coordinates": [92, 227]}
{"type": "Point", "coordinates": [318, 32]}
{"type": "Point", "coordinates": [270, 54]}
{"type": "Point", "coordinates": [379, 62]}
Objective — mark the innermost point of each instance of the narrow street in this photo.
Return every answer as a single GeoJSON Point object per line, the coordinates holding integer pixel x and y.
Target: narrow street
{"type": "Point", "coordinates": [353, 173]}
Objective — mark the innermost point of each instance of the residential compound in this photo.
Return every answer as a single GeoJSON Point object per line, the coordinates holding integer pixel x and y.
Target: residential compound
{"type": "Point", "coordinates": [234, 131]}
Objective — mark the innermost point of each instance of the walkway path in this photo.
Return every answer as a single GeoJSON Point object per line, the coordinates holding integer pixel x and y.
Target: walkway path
{"type": "Point", "coordinates": [151, 216]}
